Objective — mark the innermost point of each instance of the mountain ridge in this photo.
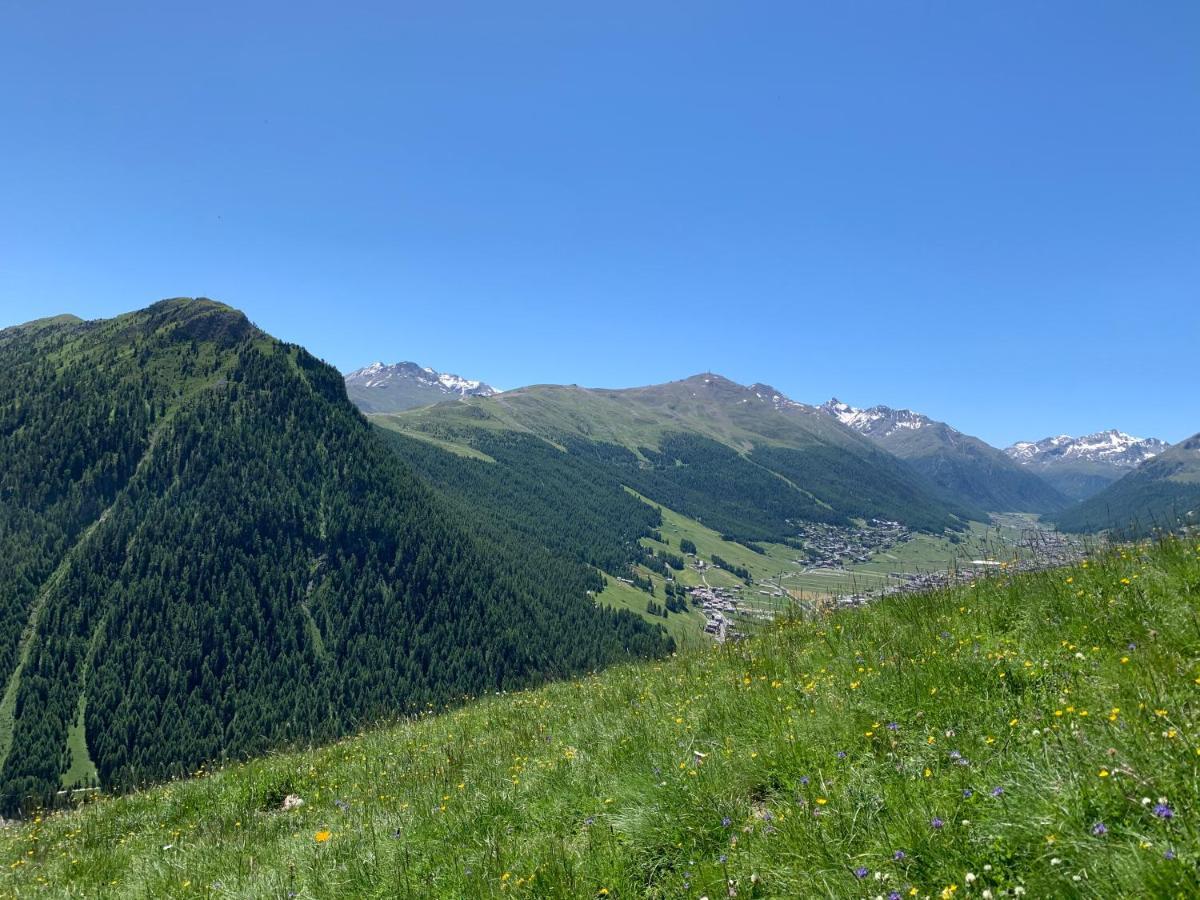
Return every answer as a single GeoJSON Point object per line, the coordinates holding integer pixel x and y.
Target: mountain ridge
{"type": "Point", "coordinates": [966, 467]}
{"type": "Point", "coordinates": [387, 388]}
{"type": "Point", "coordinates": [683, 443]}
{"type": "Point", "coordinates": [1162, 492]}
{"type": "Point", "coordinates": [1083, 466]}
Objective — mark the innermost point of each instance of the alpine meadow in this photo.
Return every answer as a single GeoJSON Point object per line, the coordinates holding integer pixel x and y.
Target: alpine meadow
{"type": "Point", "coordinates": [616, 451]}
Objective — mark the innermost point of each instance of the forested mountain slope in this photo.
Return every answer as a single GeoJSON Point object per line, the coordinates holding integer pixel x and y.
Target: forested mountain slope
{"type": "Point", "coordinates": [968, 469]}
{"type": "Point", "coordinates": [209, 552]}
{"type": "Point", "coordinates": [744, 460]}
{"type": "Point", "coordinates": [1162, 492]}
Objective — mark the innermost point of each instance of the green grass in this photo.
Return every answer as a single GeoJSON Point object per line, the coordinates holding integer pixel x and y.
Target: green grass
{"type": "Point", "coordinates": [82, 770]}
{"type": "Point", "coordinates": [394, 423]}
{"type": "Point", "coordinates": [1075, 692]}
{"type": "Point", "coordinates": [686, 627]}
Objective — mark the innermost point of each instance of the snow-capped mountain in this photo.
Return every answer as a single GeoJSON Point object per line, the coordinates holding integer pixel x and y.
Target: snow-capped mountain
{"type": "Point", "coordinates": [878, 421]}
{"type": "Point", "coordinates": [1113, 447]}
{"type": "Point", "coordinates": [1083, 466]}
{"type": "Point", "coordinates": [963, 466]}
{"type": "Point", "coordinates": [1162, 492]}
{"type": "Point", "coordinates": [381, 388]}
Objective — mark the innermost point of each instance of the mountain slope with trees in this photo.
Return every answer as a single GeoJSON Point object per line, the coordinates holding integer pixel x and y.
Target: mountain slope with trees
{"type": "Point", "coordinates": [743, 460]}
{"type": "Point", "coordinates": [1163, 492]}
{"type": "Point", "coordinates": [966, 468]}
{"type": "Point", "coordinates": [211, 554]}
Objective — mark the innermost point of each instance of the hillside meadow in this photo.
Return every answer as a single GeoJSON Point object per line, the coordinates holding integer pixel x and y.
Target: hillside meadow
{"type": "Point", "coordinates": [1030, 735]}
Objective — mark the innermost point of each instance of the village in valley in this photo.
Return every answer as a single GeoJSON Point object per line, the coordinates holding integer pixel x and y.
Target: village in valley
{"type": "Point", "coordinates": [833, 566]}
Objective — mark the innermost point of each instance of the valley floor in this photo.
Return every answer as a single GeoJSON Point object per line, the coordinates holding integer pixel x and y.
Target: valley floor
{"type": "Point", "coordinates": [1031, 734]}
{"type": "Point", "coordinates": [784, 577]}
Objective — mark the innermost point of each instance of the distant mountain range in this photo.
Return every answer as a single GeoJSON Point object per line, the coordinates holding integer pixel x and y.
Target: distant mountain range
{"type": "Point", "coordinates": [1030, 476]}
{"type": "Point", "coordinates": [1083, 466]}
{"type": "Point", "coordinates": [966, 468]}
{"type": "Point", "coordinates": [380, 388]}
{"type": "Point", "coordinates": [1161, 492]}
{"type": "Point", "coordinates": [969, 475]}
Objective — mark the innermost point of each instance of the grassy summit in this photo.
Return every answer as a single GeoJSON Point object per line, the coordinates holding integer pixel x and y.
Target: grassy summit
{"type": "Point", "coordinates": [1034, 733]}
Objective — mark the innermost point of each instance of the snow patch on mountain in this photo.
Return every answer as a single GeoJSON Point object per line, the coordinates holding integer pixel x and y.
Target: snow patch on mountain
{"type": "Point", "coordinates": [1113, 447]}
{"type": "Point", "coordinates": [381, 375]}
{"type": "Point", "coordinates": [776, 398]}
{"type": "Point", "coordinates": [878, 420]}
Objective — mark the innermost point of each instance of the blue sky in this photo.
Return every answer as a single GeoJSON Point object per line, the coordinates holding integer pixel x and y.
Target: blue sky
{"type": "Point", "coordinates": [989, 212]}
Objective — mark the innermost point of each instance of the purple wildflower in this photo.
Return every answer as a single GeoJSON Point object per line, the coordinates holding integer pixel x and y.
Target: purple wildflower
{"type": "Point", "coordinates": [892, 726]}
{"type": "Point", "coordinates": [1163, 811]}
{"type": "Point", "coordinates": [899, 855]}
{"type": "Point", "coordinates": [936, 822]}
{"type": "Point", "coordinates": [804, 779]}
{"type": "Point", "coordinates": [722, 859]}
{"type": "Point", "coordinates": [862, 872]}
{"type": "Point", "coordinates": [967, 792]}
{"type": "Point", "coordinates": [997, 791]}
{"type": "Point", "coordinates": [1099, 829]}
{"type": "Point", "coordinates": [726, 821]}
{"type": "Point", "coordinates": [1169, 855]}
{"type": "Point", "coordinates": [841, 754]}
{"type": "Point", "coordinates": [894, 895]}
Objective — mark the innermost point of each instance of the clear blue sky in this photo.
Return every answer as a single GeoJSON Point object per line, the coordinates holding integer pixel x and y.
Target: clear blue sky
{"type": "Point", "coordinates": [989, 212]}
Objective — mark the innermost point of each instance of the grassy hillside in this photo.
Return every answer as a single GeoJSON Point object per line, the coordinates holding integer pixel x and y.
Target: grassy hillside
{"type": "Point", "coordinates": [1162, 492]}
{"type": "Point", "coordinates": [744, 460]}
{"type": "Point", "coordinates": [1036, 732]}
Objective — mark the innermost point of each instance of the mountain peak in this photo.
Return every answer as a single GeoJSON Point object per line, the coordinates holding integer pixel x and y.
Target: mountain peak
{"type": "Point", "coordinates": [1114, 447]}
{"type": "Point", "coordinates": [383, 388]}
{"type": "Point", "coordinates": [711, 378]}
{"type": "Point", "coordinates": [878, 421]}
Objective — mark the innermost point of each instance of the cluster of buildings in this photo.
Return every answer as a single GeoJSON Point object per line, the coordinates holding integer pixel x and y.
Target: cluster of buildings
{"type": "Point", "coordinates": [719, 606]}
{"type": "Point", "coordinates": [1036, 549]}
{"type": "Point", "coordinates": [919, 582]}
{"type": "Point", "coordinates": [830, 547]}
{"type": "Point", "coordinates": [1043, 548]}
{"type": "Point", "coordinates": [833, 546]}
